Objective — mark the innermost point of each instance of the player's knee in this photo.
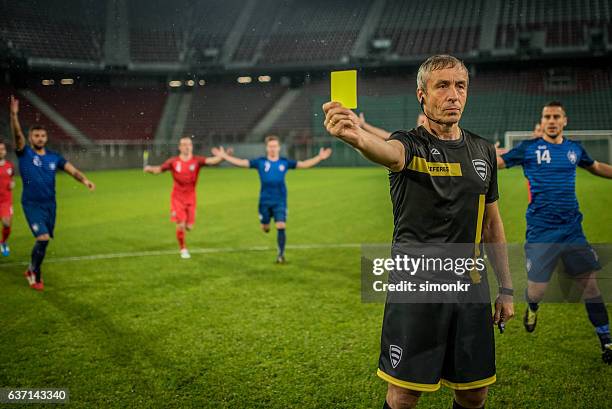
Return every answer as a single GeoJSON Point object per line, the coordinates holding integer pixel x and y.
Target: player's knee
{"type": "Point", "coordinates": [43, 237]}
{"type": "Point", "coordinates": [6, 222]}
{"type": "Point", "coordinates": [181, 226]}
{"type": "Point", "coordinates": [402, 398]}
{"type": "Point", "coordinates": [280, 225]}
{"type": "Point", "coordinates": [472, 398]}
{"type": "Point", "coordinates": [265, 228]}
{"type": "Point", "coordinates": [189, 227]}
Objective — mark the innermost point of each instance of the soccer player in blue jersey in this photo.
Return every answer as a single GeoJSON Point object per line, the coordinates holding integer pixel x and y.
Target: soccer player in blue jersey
{"type": "Point", "coordinates": [272, 169]}
{"type": "Point", "coordinates": [554, 228]}
{"type": "Point", "coordinates": [38, 166]}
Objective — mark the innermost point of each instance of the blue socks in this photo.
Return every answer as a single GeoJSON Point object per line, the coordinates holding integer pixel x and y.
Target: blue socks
{"type": "Point", "coordinates": [38, 255]}
{"type": "Point", "coordinates": [598, 315]}
{"type": "Point", "coordinates": [280, 239]}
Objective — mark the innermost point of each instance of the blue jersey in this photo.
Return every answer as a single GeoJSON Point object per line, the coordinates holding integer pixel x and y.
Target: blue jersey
{"type": "Point", "coordinates": [272, 177]}
{"type": "Point", "coordinates": [38, 174]}
{"type": "Point", "coordinates": [551, 172]}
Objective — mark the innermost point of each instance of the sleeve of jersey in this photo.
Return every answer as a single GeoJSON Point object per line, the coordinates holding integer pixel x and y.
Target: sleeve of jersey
{"type": "Point", "coordinates": [291, 164]}
{"type": "Point", "coordinates": [404, 138]}
{"type": "Point", "coordinates": [61, 162]}
{"type": "Point", "coordinates": [515, 156]}
{"type": "Point", "coordinates": [20, 152]}
{"type": "Point", "coordinates": [585, 159]}
{"type": "Point", "coordinates": [201, 161]}
{"type": "Point", "coordinates": [167, 165]}
{"type": "Point", "coordinates": [493, 192]}
{"type": "Point", "coordinates": [254, 163]}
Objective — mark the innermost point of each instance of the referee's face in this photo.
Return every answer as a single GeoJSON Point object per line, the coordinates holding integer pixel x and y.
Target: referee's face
{"type": "Point", "coordinates": [446, 94]}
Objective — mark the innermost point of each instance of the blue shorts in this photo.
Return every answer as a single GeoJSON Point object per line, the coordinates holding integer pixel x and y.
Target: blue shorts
{"type": "Point", "coordinates": [40, 217]}
{"type": "Point", "coordinates": [276, 210]}
{"type": "Point", "coordinates": [546, 245]}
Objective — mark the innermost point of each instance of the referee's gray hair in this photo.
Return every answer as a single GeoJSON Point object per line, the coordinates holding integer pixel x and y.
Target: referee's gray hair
{"type": "Point", "coordinates": [437, 62]}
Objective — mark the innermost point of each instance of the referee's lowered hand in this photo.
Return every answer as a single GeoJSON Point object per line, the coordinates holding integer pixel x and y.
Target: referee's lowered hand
{"type": "Point", "coordinates": [504, 309]}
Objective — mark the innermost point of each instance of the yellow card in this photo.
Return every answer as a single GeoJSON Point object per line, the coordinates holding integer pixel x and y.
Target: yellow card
{"type": "Point", "coordinates": [344, 88]}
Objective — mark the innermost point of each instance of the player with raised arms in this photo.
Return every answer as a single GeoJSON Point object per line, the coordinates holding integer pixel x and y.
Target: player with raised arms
{"type": "Point", "coordinates": [38, 167]}
{"type": "Point", "coordinates": [272, 169]}
{"type": "Point", "coordinates": [554, 221]}
{"type": "Point", "coordinates": [185, 169]}
{"type": "Point", "coordinates": [443, 185]}
{"type": "Point", "coordinates": [7, 184]}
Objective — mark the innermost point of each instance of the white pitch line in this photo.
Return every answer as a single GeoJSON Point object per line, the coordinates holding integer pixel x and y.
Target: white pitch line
{"type": "Point", "coordinates": [212, 250]}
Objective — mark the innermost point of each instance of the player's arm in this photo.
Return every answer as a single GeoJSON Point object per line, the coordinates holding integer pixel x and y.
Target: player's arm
{"type": "Point", "coordinates": [78, 175]}
{"type": "Point", "coordinates": [224, 155]}
{"type": "Point", "coordinates": [340, 123]}
{"type": "Point", "coordinates": [600, 169]}
{"type": "Point", "coordinates": [374, 130]}
{"type": "Point", "coordinates": [324, 153]}
{"type": "Point", "coordinates": [154, 170]}
{"type": "Point", "coordinates": [507, 158]}
{"type": "Point", "coordinates": [12, 183]}
{"type": "Point", "coordinates": [501, 164]}
{"type": "Point", "coordinates": [18, 135]}
{"type": "Point", "coordinates": [494, 239]}
{"type": "Point", "coordinates": [212, 160]}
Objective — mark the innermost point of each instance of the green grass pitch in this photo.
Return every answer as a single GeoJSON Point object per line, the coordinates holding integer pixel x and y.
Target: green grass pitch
{"type": "Point", "coordinates": [229, 328]}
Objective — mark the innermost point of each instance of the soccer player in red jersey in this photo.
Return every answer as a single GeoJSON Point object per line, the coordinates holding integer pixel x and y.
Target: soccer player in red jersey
{"type": "Point", "coordinates": [7, 183]}
{"type": "Point", "coordinates": [185, 169]}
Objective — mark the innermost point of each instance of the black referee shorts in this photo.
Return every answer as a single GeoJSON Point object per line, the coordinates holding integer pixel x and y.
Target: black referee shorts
{"type": "Point", "coordinates": [425, 345]}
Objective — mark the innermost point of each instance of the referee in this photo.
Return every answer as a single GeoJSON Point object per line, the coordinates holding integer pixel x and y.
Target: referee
{"type": "Point", "coordinates": [443, 182]}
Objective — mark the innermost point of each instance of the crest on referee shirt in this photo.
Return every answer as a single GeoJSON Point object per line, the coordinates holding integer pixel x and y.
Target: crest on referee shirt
{"type": "Point", "coordinates": [480, 166]}
{"type": "Point", "coordinates": [395, 353]}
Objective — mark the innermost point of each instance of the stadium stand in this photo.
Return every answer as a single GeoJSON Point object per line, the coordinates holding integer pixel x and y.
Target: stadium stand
{"type": "Point", "coordinates": [29, 116]}
{"type": "Point", "coordinates": [179, 30]}
{"type": "Point", "coordinates": [229, 110]}
{"type": "Point", "coordinates": [439, 26]}
{"type": "Point", "coordinates": [108, 113]}
{"type": "Point", "coordinates": [294, 31]}
{"type": "Point", "coordinates": [304, 31]}
{"type": "Point", "coordinates": [564, 23]}
{"type": "Point", "coordinates": [58, 29]}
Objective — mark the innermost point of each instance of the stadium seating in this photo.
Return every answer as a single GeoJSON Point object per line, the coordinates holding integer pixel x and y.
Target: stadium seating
{"type": "Point", "coordinates": [564, 23]}
{"type": "Point", "coordinates": [292, 31]}
{"type": "Point", "coordinates": [178, 30]}
{"type": "Point", "coordinates": [229, 110]}
{"type": "Point", "coordinates": [105, 113]}
{"type": "Point", "coordinates": [28, 116]}
{"type": "Point", "coordinates": [306, 31]}
{"type": "Point", "coordinates": [56, 29]}
{"type": "Point", "coordinates": [432, 27]}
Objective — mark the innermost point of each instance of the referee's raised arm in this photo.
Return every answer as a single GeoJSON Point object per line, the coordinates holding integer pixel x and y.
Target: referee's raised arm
{"type": "Point", "coordinates": [339, 123]}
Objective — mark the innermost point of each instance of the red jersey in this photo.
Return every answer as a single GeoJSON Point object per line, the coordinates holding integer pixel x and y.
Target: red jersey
{"type": "Point", "coordinates": [185, 175]}
{"type": "Point", "coordinates": [7, 171]}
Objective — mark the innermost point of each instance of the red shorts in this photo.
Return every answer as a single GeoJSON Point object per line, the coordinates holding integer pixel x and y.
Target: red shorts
{"type": "Point", "coordinates": [6, 209]}
{"type": "Point", "coordinates": [182, 211]}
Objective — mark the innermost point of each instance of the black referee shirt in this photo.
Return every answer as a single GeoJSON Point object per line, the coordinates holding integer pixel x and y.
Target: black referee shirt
{"type": "Point", "coordinates": [440, 195]}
